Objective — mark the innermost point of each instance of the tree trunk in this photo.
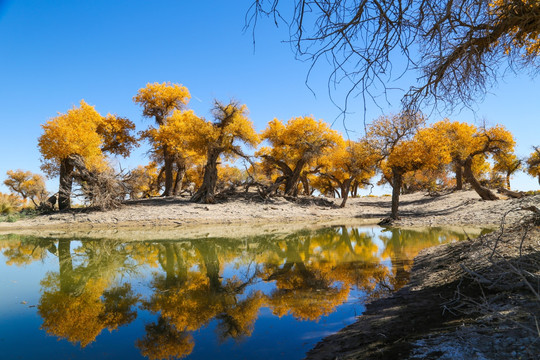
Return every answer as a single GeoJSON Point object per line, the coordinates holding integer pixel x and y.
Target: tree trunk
{"type": "Point", "coordinates": [178, 179]}
{"type": "Point", "coordinates": [512, 194]}
{"type": "Point", "coordinates": [401, 276]}
{"type": "Point", "coordinates": [354, 190]}
{"type": "Point", "coordinates": [484, 192]}
{"type": "Point", "coordinates": [345, 192]}
{"type": "Point", "coordinates": [508, 181]}
{"type": "Point", "coordinates": [458, 168]}
{"type": "Point", "coordinates": [170, 277]}
{"type": "Point", "coordinates": [397, 179]}
{"type": "Point", "coordinates": [211, 263]}
{"type": "Point", "coordinates": [169, 161]}
{"type": "Point", "coordinates": [342, 188]}
{"type": "Point", "coordinates": [292, 181]}
{"type": "Point", "coordinates": [305, 185]}
{"type": "Point", "coordinates": [65, 266]}
{"type": "Point", "coordinates": [273, 188]}
{"type": "Point", "coordinates": [66, 183]}
{"type": "Point", "coordinates": [206, 192]}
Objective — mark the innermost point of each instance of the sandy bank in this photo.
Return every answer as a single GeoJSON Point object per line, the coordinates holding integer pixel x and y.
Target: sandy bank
{"type": "Point", "coordinates": [458, 208]}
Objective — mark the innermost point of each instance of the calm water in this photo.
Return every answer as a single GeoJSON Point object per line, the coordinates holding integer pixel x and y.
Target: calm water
{"type": "Point", "coordinates": [270, 297]}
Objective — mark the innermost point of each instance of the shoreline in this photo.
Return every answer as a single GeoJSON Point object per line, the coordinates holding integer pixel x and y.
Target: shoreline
{"type": "Point", "coordinates": [462, 208]}
{"type": "Point", "coordinates": [442, 314]}
{"type": "Point", "coordinates": [416, 322]}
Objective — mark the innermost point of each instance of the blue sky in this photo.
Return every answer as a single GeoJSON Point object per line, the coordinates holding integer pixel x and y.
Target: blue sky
{"type": "Point", "coordinates": [55, 53]}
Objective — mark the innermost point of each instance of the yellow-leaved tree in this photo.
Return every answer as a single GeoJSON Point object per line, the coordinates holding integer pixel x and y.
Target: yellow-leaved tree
{"type": "Point", "coordinates": [28, 185]}
{"type": "Point", "coordinates": [221, 137]}
{"type": "Point", "coordinates": [458, 137]}
{"type": "Point", "coordinates": [349, 165]}
{"type": "Point", "coordinates": [178, 135]}
{"type": "Point", "coordinates": [533, 163]}
{"type": "Point", "coordinates": [143, 181]}
{"type": "Point", "coordinates": [295, 146]}
{"type": "Point", "coordinates": [470, 146]}
{"type": "Point", "coordinates": [79, 138]}
{"type": "Point", "coordinates": [159, 101]}
{"type": "Point", "coordinates": [405, 146]}
{"type": "Point", "coordinates": [506, 163]}
{"type": "Point", "coordinates": [519, 21]}
{"type": "Point", "coordinates": [229, 177]}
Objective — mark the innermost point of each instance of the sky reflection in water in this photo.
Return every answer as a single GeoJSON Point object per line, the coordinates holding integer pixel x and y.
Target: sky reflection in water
{"type": "Point", "coordinates": [269, 296]}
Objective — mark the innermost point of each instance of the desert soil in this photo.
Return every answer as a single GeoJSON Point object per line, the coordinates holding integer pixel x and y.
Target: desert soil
{"type": "Point", "coordinates": [457, 208]}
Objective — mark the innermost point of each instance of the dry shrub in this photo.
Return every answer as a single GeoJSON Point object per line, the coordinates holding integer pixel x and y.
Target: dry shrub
{"type": "Point", "coordinates": [10, 203]}
{"type": "Point", "coordinates": [105, 190]}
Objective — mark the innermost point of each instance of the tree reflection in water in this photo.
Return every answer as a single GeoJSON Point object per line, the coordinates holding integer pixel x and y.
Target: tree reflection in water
{"type": "Point", "coordinates": [307, 275]}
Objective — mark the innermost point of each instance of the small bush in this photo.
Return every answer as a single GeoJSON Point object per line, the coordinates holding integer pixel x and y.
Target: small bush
{"type": "Point", "coordinates": [10, 204]}
{"type": "Point", "coordinates": [12, 218]}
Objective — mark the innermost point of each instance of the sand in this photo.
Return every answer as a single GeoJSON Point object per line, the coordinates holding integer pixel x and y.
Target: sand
{"type": "Point", "coordinates": [456, 208]}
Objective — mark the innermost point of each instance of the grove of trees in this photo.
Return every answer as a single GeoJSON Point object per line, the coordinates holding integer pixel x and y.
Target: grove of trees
{"type": "Point", "coordinates": [209, 159]}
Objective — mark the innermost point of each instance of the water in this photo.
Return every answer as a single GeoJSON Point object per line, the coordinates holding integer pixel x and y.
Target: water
{"type": "Point", "coordinates": [268, 296]}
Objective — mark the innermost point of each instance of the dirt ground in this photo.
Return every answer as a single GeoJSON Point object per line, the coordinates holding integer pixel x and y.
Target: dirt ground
{"type": "Point", "coordinates": [457, 208]}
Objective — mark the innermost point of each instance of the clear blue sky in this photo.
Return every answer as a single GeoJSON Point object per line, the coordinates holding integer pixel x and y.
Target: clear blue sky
{"type": "Point", "coordinates": [55, 53]}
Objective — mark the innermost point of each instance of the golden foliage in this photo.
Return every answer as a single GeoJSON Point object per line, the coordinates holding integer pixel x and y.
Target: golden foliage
{"type": "Point", "coordinates": [116, 133]}
{"type": "Point", "coordinates": [464, 140]}
{"type": "Point", "coordinates": [229, 176]}
{"type": "Point", "coordinates": [533, 163]}
{"type": "Point", "coordinates": [74, 318]}
{"type": "Point", "coordinates": [308, 304]}
{"type": "Point", "coordinates": [231, 124]}
{"type": "Point", "coordinates": [27, 185]}
{"type": "Point", "coordinates": [405, 144]}
{"type": "Point", "coordinates": [428, 180]}
{"type": "Point", "coordinates": [142, 181]}
{"type": "Point", "coordinates": [10, 203]}
{"type": "Point", "coordinates": [182, 132]}
{"type": "Point", "coordinates": [83, 131]}
{"type": "Point", "coordinates": [164, 341]}
{"type": "Point", "coordinates": [159, 100]}
{"type": "Point", "coordinates": [241, 318]}
{"type": "Point", "coordinates": [21, 253]}
{"type": "Point", "coordinates": [352, 160]}
{"type": "Point", "coordinates": [507, 163]}
{"type": "Point", "coordinates": [351, 163]}
{"type": "Point", "coordinates": [301, 138]}
{"type": "Point", "coordinates": [74, 132]}
{"type": "Point", "coordinates": [523, 35]}
{"type": "Point", "coordinates": [386, 132]}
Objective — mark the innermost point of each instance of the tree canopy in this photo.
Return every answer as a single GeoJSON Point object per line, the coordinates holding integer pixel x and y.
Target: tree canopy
{"type": "Point", "coordinates": [533, 163]}
{"type": "Point", "coordinates": [294, 146]}
{"type": "Point", "coordinates": [27, 184]}
{"type": "Point", "coordinates": [222, 137]}
{"type": "Point", "coordinates": [405, 145]}
{"type": "Point", "coordinates": [159, 101]}
{"type": "Point", "coordinates": [80, 138]}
